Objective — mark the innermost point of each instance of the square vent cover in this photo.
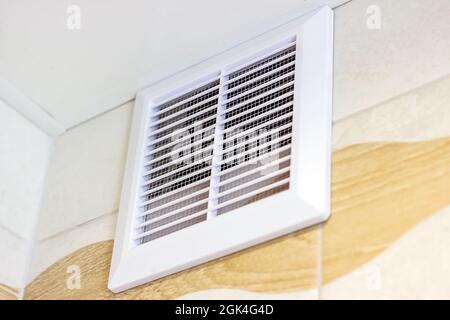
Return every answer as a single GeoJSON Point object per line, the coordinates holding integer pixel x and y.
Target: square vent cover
{"type": "Point", "coordinates": [227, 154]}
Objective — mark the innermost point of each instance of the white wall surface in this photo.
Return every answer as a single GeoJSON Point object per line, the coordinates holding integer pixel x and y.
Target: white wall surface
{"type": "Point", "coordinates": [122, 45]}
{"type": "Point", "coordinates": [24, 154]}
{"type": "Point", "coordinates": [84, 179]}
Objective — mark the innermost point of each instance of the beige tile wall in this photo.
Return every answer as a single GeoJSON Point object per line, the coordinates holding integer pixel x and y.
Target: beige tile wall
{"type": "Point", "coordinates": [420, 114]}
{"type": "Point", "coordinates": [414, 267]}
{"type": "Point", "coordinates": [374, 65]}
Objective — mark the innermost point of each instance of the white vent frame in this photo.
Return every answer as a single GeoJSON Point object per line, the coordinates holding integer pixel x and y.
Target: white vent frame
{"type": "Point", "coordinates": [305, 203]}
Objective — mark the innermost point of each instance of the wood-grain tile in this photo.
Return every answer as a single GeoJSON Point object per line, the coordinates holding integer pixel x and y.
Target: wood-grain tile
{"type": "Point", "coordinates": [379, 192]}
{"type": "Point", "coordinates": [282, 265]}
{"type": "Point", "coordinates": [414, 267]}
{"type": "Point", "coordinates": [8, 293]}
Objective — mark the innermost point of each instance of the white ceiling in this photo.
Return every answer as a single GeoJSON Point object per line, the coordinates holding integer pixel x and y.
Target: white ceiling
{"type": "Point", "coordinates": [122, 46]}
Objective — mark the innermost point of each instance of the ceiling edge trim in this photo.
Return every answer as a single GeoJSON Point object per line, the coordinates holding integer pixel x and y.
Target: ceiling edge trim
{"type": "Point", "coordinates": [121, 94]}
{"type": "Point", "coordinates": [29, 109]}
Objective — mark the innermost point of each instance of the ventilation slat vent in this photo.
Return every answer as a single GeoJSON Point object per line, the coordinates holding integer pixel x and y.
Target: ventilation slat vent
{"type": "Point", "coordinates": [218, 147]}
{"type": "Point", "coordinates": [177, 167]}
{"type": "Point", "coordinates": [257, 131]}
{"type": "Point", "coordinates": [227, 154]}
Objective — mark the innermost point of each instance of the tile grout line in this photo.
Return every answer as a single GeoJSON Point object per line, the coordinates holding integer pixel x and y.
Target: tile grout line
{"type": "Point", "coordinates": [391, 99]}
{"type": "Point", "coordinates": [101, 114]}
{"type": "Point", "coordinates": [12, 233]}
{"type": "Point", "coordinates": [80, 225]}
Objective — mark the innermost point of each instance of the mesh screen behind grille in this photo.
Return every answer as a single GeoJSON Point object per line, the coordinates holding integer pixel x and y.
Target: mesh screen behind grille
{"type": "Point", "coordinates": [257, 129]}
{"type": "Point", "coordinates": [177, 166]}
{"type": "Point", "coordinates": [218, 147]}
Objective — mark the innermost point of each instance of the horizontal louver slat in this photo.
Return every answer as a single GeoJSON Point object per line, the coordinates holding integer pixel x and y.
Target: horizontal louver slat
{"type": "Point", "coordinates": [257, 132]}
{"type": "Point", "coordinates": [254, 170]}
{"type": "Point", "coordinates": [182, 100]}
{"type": "Point", "coordinates": [253, 193]}
{"type": "Point", "coordinates": [270, 55]}
{"type": "Point", "coordinates": [286, 68]}
{"type": "Point", "coordinates": [176, 172]}
{"type": "Point", "coordinates": [249, 183]}
{"type": "Point", "coordinates": [203, 133]}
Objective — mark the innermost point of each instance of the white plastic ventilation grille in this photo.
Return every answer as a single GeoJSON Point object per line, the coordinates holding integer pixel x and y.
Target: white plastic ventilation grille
{"type": "Point", "coordinates": [218, 147]}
